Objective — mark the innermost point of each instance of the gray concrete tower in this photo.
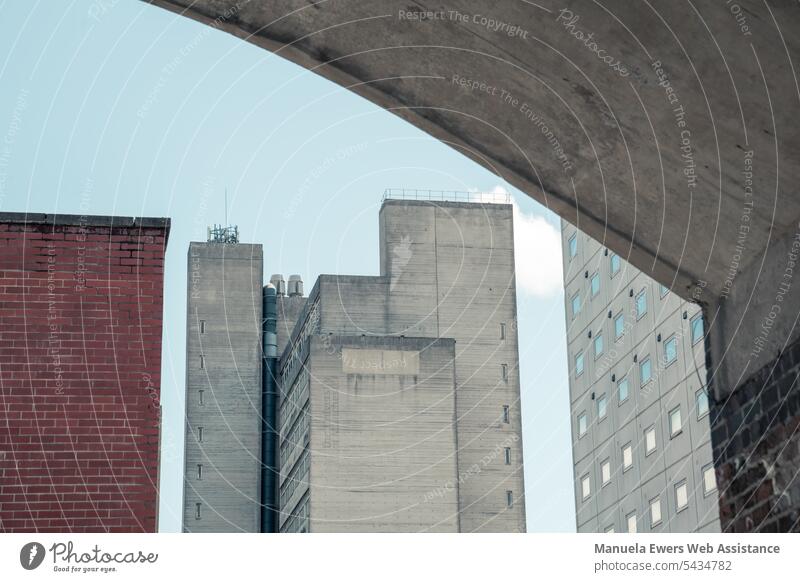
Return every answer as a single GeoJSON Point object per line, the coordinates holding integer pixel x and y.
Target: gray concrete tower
{"type": "Point", "coordinates": [223, 388]}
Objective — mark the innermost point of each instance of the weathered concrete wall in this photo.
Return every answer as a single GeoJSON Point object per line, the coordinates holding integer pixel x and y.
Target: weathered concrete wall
{"type": "Point", "coordinates": [447, 271]}
{"type": "Point", "coordinates": [450, 268]}
{"type": "Point", "coordinates": [383, 442]}
{"type": "Point", "coordinates": [224, 307]}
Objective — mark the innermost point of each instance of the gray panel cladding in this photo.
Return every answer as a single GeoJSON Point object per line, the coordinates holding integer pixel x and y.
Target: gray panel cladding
{"type": "Point", "coordinates": [223, 388]}
{"type": "Point", "coordinates": [613, 380]}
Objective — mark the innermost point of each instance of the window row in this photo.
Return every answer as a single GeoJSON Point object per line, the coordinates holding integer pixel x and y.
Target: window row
{"type": "Point", "coordinates": [669, 355]}
{"type": "Point", "coordinates": [681, 494]}
{"type": "Point", "coordinates": [640, 308]}
{"type": "Point", "coordinates": [675, 423]}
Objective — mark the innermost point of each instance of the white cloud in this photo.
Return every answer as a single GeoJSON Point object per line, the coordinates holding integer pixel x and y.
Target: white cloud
{"type": "Point", "coordinates": [538, 253]}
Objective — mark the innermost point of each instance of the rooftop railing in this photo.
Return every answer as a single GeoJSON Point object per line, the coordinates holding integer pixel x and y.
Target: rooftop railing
{"type": "Point", "coordinates": [446, 196]}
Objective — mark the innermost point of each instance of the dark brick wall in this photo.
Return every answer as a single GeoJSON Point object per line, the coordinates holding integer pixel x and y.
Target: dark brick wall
{"type": "Point", "coordinates": [756, 438]}
{"type": "Point", "coordinates": [80, 361]}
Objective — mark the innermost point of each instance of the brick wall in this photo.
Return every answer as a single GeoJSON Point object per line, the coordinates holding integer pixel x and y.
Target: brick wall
{"type": "Point", "coordinates": [756, 437]}
{"type": "Point", "coordinates": [80, 360]}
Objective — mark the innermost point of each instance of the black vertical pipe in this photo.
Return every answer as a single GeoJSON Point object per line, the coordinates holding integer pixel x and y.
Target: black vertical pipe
{"type": "Point", "coordinates": [269, 413]}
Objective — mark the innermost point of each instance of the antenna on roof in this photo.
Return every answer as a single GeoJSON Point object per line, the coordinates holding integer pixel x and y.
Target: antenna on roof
{"type": "Point", "coordinates": [226, 234]}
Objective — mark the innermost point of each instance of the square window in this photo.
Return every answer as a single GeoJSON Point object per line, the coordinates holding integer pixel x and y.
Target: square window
{"type": "Point", "coordinates": [655, 511]}
{"type": "Point", "coordinates": [627, 457]}
{"type": "Point", "coordinates": [697, 328]}
{"type": "Point", "coordinates": [595, 284]}
{"type": "Point", "coordinates": [576, 304]}
{"type": "Point", "coordinates": [675, 422]}
{"type": "Point", "coordinates": [578, 364]}
{"type": "Point", "coordinates": [681, 495]}
{"type": "Point", "coordinates": [582, 424]}
{"type": "Point", "coordinates": [709, 479]}
{"type": "Point", "coordinates": [586, 487]}
{"type": "Point", "coordinates": [645, 371]}
{"type": "Point", "coordinates": [507, 455]}
{"type": "Point", "coordinates": [619, 326]}
{"type": "Point", "coordinates": [605, 472]}
{"type": "Point", "coordinates": [623, 389]}
{"type": "Point", "coordinates": [670, 350]}
{"type": "Point", "coordinates": [573, 246]}
{"type": "Point", "coordinates": [506, 414]}
{"type": "Point", "coordinates": [702, 402]}
{"type": "Point", "coordinates": [509, 499]}
{"type": "Point", "coordinates": [631, 521]}
{"type": "Point", "coordinates": [650, 440]}
{"type": "Point", "coordinates": [602, 407]}
{"type": "Point", "coordinates": [598, 345]}
{"type": "Point", "coordinates": [615, 264]}
{"type": "Point", "coordinates": [641, 304]}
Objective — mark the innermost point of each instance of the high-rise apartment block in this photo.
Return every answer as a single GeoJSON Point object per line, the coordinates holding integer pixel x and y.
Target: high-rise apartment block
{"type": "Point", "coordinates": [397, 395]}
{"type": "Point", "coordinates": [640, 409]}
{"type": "Point", "coordinates": [80, 372]}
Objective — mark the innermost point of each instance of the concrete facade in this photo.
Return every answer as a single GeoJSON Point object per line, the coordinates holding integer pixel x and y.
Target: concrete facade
{"type": "Point", "coordinates": [223, 388]}
{"type": "Point", "coordinates": [619, 322]}
{"type": "Point", "coordinates": [380, 437]}
{"type": "Point", "coordinates": [447, 273]}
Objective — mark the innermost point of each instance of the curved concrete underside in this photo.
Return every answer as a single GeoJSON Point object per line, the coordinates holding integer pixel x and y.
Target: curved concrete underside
{"type": "Point", "coordinates": [637, 121]}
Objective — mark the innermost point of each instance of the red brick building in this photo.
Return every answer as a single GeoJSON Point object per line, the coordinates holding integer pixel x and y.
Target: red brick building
{"type": "Point", "coordinates": [80, 372]}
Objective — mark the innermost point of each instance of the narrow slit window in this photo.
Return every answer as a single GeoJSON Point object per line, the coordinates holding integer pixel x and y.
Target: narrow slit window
{"type": "Point", "coordinates": [200, 399]}
{"type": "Point", "coordinates": [605, 472]}
{"type": "Point", "coordinates": [506, 414]}
{"type": "Point", "coordinates": [627, 457]}
{"type": "Point", "coordinates": [509, 499]}
{"type": "Point", "coordinates": [709, 479]}
{"type": "Point", "coordinates": [655, 511]}
{"type": "Point", "coordinates": [202, 362]}
{"type": "Point", "coordinates": [199, 471]}
{"type": "Point", "coordinates": [202, 326]}
{"type": "Point", "coordinates": [197, 511]}
{"type": "Point", "coordinates": [504, 372]}
{"type": "Point", "coordinates": [199, 434]}
{"type": "Point", "coordinates": [502, 331]}
{"type": "Point", "coordinates": [507, 455]}
{"type": "Point", "coordinates": [681, 496]}
{"type": "Point", "coordinates": [631, 519]}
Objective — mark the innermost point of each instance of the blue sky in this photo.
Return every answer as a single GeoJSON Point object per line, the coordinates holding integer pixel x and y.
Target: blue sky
{"type": "Point", "coordinates": [141, 112]}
